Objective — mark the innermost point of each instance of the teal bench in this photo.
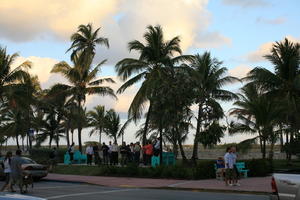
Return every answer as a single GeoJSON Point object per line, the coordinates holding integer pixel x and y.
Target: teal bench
{"type": "Point", "coordinates": [242, 169]}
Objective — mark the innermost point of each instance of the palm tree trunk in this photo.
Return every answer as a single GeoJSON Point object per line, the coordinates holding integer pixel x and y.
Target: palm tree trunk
{"type": "Point", "coordinates": [17, 140]}
{"type": "Point", "coordinates": [182, 151]}
{"type": "Point", "coordinates": [195, 147]}
{"type": "Point", "coordinates": [79, 139]}
{"type": "Point", "coordinates": [67, 136]}
{"type": "Point", "coordinates": [72, 133]}
{"type": "Point", "coordinates": [100, 133]}
{"type": "Point", "coordinates": [50, 141]}
{"type": "Point", "coordinates": [161, 144]}
{"type": "Point", "coordinates": [264, 149]}
{"type": "Point", "coordinates": [146, 125]}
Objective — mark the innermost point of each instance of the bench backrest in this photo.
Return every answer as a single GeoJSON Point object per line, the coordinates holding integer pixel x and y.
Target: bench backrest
{"type": "Point", "coordinates": [240, 165]}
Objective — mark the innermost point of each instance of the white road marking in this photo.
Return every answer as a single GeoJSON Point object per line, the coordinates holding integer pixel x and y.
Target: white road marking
{"type": "Point", "coordinates": [180, 183]}
{"type": "Point", "coordinates": [55, 187]}
{"type": "Point", "coordinates": [88, 193]}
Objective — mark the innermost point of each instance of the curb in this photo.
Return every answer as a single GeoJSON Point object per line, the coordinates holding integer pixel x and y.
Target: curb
{"type": "Point", "coordinates": [167, 188]}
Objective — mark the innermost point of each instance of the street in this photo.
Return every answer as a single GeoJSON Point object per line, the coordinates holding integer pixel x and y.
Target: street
{"type": "Point", "coordinates": [76, 191]}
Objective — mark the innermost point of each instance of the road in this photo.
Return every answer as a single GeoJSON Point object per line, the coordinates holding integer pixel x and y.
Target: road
{"type": "Point", "coordinates": [76, 191]}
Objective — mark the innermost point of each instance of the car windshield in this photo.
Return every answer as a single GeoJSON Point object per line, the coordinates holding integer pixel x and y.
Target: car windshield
{"type": "Point", "coordinates": [27, 161]}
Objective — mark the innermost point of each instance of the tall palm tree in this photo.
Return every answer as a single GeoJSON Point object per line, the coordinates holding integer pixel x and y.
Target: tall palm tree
{"type": "Point", "coordinates": [256, 113]}
{"type": "Point", "coordinates": [283, 83]}
{"type": "Point", "coordinates": [83, 81]}
{"type": "Point", "coordinates": [85, 41]}
{"type": "Point", "coordinates": [209, 77]}
{"type": "Point", "coordinates": [96, 119]}
{"type": "Point", "coordinates": [154, 55]}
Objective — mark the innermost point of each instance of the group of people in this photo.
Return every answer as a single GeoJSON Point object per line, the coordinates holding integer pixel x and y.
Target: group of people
{"type": "Point", "coordinates": [226, 167]}
{"type": "Point", "coordinates": [129, 153]}
{"type": "Point", "coordinates": [12, 167]}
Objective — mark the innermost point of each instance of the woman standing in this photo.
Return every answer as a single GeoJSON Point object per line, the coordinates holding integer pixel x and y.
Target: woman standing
{"type": "Point", "coordinates": [7, 172]}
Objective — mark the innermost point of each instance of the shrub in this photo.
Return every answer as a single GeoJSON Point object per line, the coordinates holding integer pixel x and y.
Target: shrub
{"type": "Point", "coordinates": [41, 155]}
{"type": "Point", "coordinates": [258, 167]}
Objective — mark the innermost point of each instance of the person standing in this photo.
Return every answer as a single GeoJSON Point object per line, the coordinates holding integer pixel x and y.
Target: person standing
{"type": "Point", "coordinates": [115, 153]}
{"type": "Point", "coordinates": [96, 154]}
{"type": "Point", "coordinates": [110, 153]}
{"type": "Point", "coordinates": [236, 171]}
{"type": "Point", "coordinates": [124, 154]}
{"type": "Point", "coordinates": [148, 149]}
{"type": "Point", "coordinates": [156, 147]}
{"type": "Point", "coordinates": [7, 172]}
{"type": "Point", "coordinates": [229, 167]}
{"type": "Point", "coordinates": [16, 170]}
{"type": "Point", "coordinates": [89, 153]}
{"type": "Point", "coordinates": [137, 152]}
{"type": "Point", "coordinates": [71, 151]}
{"type": "Point", "coordinates": [105, 154]}
{"type": "Point", "coordinates": [53, 159]}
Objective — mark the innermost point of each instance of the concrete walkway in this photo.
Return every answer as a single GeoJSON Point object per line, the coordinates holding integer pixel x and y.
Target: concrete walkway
{"type": "Point", "coordinates": [259, 185]}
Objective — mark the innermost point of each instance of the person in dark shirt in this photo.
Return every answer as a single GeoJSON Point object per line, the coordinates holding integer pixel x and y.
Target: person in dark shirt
{"type": "Point", "coordinates": [124, 150]}
{"type": "Point", "coordinates": [105, 149]}
{"type": "Point", "coordinates": [96, 154]}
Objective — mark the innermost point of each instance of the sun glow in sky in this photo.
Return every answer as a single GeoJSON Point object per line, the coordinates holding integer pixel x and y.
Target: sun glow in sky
{"type": "Point", "coordinates": [238, 32]}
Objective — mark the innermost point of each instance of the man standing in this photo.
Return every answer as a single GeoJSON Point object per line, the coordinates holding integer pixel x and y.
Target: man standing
{"type": "Point", "coordinates": [110, 152]}
{"type": "Point", "coordinates": [16, 170]}
{"type": "Point", "coordinates": [137, 152]}
{"type": "Point", "coordinates": [105, 149]}
{"type": "Point", "coordinates": [89, 153]}
{"type": "Point", "coordinates": [229, 168]}
{"type": "Point", "coordinates": [236, 172]}
{"type": "Point", "coordinates": [71, 152]}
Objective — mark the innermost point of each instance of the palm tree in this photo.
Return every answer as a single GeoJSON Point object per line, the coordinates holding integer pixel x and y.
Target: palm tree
{"type": "Point", "coordinates": [283, 83]}
{"type": "Point", "coordinates": [83, 81]}
{"type": "Point", "coordinates": [155, 55]}
{"type": "Point", "coordinates": [96, 119]}
{"type": "Point", "coordinates": [256, 113]}
{"type": "Point", "coordinates": [10, 79]}
{"type": "Point", "coordinates": [209, 78]}
{"type": "Point", "coordinates": [112, 125]}
{"type": "Point", "coordinates": [85, 41]}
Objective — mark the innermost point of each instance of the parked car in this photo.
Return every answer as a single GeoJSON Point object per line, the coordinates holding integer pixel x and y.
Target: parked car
{"type": "Point", "coordinates": [29, 166]}
{"type": "Point", "coordinates": [286, 185]}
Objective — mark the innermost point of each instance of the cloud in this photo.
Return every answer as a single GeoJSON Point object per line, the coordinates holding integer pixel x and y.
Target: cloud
{"type": "Point", "coordinates": [121, 21]}
{"type": "Point", "coordinates": [26, 20]}
{"type": "Point", "coordinates": [246, 3]}
{"type": "Point", "coordinates": [275, 21]}
{"type": "Point", "coordinates": [212, 40]}
{"type": "Point", "coordinates": [239, 71]}
{"type": "Point", "coordinates": [121, 105]}
{"type": "Point", "coordinates": [41, 66]}
{"type": "Point", "coordinates": [264, 49]}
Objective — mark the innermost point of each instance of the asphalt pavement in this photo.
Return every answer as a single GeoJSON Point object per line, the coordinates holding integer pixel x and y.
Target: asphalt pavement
{"type": "Point", "coordinates": [75, 191]}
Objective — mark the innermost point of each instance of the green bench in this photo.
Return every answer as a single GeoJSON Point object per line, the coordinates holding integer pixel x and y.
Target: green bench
{"type": "Point", "coordinates": [242, 169]}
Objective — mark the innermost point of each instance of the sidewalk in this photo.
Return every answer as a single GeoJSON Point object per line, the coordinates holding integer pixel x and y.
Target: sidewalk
{"type": "Point", "coordinates": [259, 184]}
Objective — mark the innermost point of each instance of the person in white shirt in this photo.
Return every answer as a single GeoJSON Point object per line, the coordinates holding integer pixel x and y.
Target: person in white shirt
{"type": "Point", "coordinates": [89, 153]}
{"type": "Point", "coordinates": [229, 162]}
{"type": "Point", "coordinates": [7, 172]}
{"type": "Point", "coordinates": [115, 153]}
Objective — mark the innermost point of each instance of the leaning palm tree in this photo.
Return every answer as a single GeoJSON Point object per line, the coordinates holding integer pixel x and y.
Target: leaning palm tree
{"type": "Point", "coordinates": [11, 79]}
{"type": "Point", "coordinates": [154, 55]}
{"type": "Point", "coordinates": [96, 119]}
{"type": "Point", "coordinates": [209, 77]}
{"type": "Point", "coordinates": [85, 40]}
{"type": "Point", "coordinates": [83, 81]}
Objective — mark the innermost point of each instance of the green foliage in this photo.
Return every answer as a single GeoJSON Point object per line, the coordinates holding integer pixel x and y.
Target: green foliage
{"type": "Point", "coordinates": [258, 167]}
{"type": "Point", "coordinates": [41, 155]}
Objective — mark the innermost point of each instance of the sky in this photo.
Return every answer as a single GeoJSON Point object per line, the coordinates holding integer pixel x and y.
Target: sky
{"type": "Point", "coordinates": [238, 32]}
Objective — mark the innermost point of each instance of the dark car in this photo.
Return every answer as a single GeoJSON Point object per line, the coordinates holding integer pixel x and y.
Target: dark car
{"type": "Point", "coordinates": [29, 166]}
